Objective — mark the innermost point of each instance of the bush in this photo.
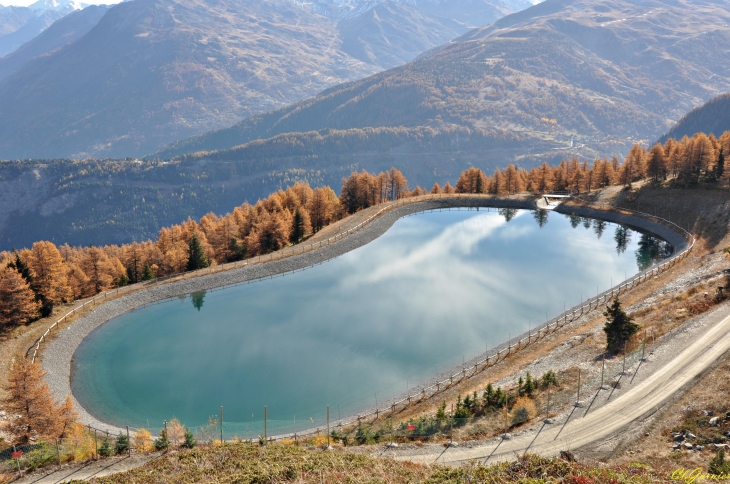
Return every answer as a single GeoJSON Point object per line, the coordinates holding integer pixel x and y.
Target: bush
{"type": "Point", "coordinates": [188, 439]}
{"type": "Point", "coordinates": [122, 445]}
{"type": "Point", "coordinates": [549, 378]}
{"type": "Point", "coordinates": [163, 442]}
{"type": "Point", "coordinates": [718, 465]}
{"type": "Point", "coordinates": [105, 450]}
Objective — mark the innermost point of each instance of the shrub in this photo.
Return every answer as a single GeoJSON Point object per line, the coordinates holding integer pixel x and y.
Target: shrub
{"type": "Point", "coordinates": [549, 378]}
{"type": "Point", "coordinates": [122, 445]}
{"type": "Point", "coordinates": [142, 440]}
{"type": "Point", "coordinates": [105, 450]}
{"type": "Point", "coordinates": [162, 443]}
{"type": "Point", "coordinates": [718, 465]}
{"type": "Point", "coordinates": [523, 410]}
{"type": "Point", "coordinates": [188, 439]}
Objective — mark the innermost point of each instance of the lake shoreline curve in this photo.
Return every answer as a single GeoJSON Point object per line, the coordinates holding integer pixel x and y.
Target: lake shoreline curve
{"type": "Point", "coordinates": [58, 353]}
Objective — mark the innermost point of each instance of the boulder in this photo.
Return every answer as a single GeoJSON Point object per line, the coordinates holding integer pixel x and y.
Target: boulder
{"type": "Point", "coordinates": [690, 435]}
{"type": "Point", "coordinates": [676, 446]}
{"type": "Point", "coordinates": [714, 421]}
{"type": "Point", "coordinates": [678, 437]}
{"type": "Point", "coordinates": [506, 436]}
{"type": "Point", "coordinates": [688, 446]}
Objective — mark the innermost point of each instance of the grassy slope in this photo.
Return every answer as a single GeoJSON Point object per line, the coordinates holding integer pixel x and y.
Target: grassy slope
{"type": "Point", "coordinates": [246, 463]}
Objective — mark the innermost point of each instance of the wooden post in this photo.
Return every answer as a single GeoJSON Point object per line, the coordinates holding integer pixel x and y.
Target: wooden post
{"type": "Point", "coordinates": [58, 453]}
{"type": "Point", "coordinates": [328, 426]}
{"type": "Point", "coordinates": [221, 424]}
{"type": "Point", "coordinates": [129, 444]}
{"type": "Point", "coordinates": [265, 419]}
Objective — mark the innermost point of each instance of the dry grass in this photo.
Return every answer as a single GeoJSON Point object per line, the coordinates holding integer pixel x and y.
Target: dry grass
{"type": "Point", "coordinates": [246, 463]}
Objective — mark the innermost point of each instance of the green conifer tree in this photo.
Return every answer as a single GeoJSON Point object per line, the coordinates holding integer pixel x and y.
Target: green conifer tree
{"type": "Point", "coordinates": [163, 442]}
{"type": "Point", "coordinates": [297, 229]}
{"type": "Point", "coordinates": [619, 327]}
{"type": "Point", "coordinates": [529, 385]}
{"type": "Point", "coordinates": [189, 439]}
{"type": "Point", "coordinates": [147, 274]}
{"type": "Point", "coordinates": [720, 166]}
{"type": "Point", "coordinates": [21, 267]}
{"type": "Point", "coordinates": [105, 450]}
{"type": "Point", "coordinates": [123, 280]}
{"type": "Point", "coordinates": [196, 255]}
{"type": "Point", "coordinates": [122, 445]}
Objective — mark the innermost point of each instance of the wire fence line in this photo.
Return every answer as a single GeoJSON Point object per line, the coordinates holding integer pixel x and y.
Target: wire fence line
{"type": "Point", "coordinates": [433, 386]}
{"type": "Point", "coordinates": [491, 358]}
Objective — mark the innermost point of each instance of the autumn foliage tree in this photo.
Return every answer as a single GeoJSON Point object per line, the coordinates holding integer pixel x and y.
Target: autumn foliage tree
{"type": "Point", "coordinates": [18, 303]}
{"type": "Point", "coordinates": [288, 216]}
{"type": "Point", "coordinates": [29, 398]}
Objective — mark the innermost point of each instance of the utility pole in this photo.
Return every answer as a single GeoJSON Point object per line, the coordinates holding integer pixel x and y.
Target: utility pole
{"type": "Point", "coordinates": [328, 427]}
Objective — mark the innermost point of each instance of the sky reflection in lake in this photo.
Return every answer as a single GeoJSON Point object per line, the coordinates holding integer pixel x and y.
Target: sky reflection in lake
{"type": "Point", "coordinates": [436, 288]}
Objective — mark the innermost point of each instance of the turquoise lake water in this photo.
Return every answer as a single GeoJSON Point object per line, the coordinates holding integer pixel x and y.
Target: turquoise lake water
{"type": "Point", "coordinates": [434, 289]}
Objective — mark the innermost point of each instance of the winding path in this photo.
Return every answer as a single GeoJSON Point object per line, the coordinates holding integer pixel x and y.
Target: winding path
{"type": "Point", "coordinates": [636, 403]}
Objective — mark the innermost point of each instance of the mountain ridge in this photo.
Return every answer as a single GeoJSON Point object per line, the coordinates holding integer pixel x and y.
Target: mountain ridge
{"type": "Point", "coordinates": [159, 70]}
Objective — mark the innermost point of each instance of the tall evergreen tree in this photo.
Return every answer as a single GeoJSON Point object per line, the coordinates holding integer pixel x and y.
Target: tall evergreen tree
{"type": "Point", "coordinates": [297, 229]}
{"type": "Point", "coordinates": [196, 255]}
{"type": "Point", "coordinates": [147, 274]}
{"type": "Point", "coordinates": [21, 267]}
{"type": "Point", "coordinates": [720, 165]}
{"type": "Point", "coordinates": [619, 327]}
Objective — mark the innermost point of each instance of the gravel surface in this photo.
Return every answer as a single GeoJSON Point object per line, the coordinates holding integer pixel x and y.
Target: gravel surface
{"type": "Point", "coordinates": [57, 354]}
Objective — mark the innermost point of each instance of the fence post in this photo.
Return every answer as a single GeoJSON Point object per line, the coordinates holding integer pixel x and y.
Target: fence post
{"type": "Point", "coordinates": [129, 444]}
{"type": "Point", "coordinates": [58, 453]}
{"type": "Point", "coordinates": [265, 418]}
{"type": "Point", "coordinates": [221, 424]}
{"type": "Point", "coordinates": [96, 445]}
{"type": "Point", "coordinates": [328, 427]}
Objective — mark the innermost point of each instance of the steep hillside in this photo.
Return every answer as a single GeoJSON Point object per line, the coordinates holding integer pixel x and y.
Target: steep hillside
{"type": "Point", "coordinates": [153, 71]}
{"type": "Point", "coordinates": [593, 75]}
{"type": "Point", "coordinates": [18, 25]}
{"type": "Point", "coordinates": [63, 31]}
{"type": "Point", "coordinates": [712, 117]}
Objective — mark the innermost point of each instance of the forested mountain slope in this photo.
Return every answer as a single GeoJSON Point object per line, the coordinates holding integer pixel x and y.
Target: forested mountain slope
{"type": "Point", "coordinates": [596, 74]}
{"type": "Point", "coordinates": [152, 71]}
{"type": "Point", "coordinates": [712, 117]}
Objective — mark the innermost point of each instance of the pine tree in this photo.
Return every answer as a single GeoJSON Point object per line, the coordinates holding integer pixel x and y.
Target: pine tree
{"type": "Point", "coordinates": [18, 303]}
{"type": "Point", "coordinates": [163, 442]}
{"type": "Point", "coordinates": [720, 165]}
{"type": "Point", "coordinates": [21, 267]}
{"type": "Point", "coordinates": [619, 327]}
{"type": "Point", "coordinates": [105, 449]}
{"type": "Point", "coordinates": [718, 465]}
{"type": "Point", "coordinates": [122, 444]}
{"type": "Point", "coordinates": [297, 227]}
{"type": "Point", "coordinates": [28, 396]}
{"type": "Point", "coordinates": [529, 385]}
{"type": "Point", "coordinates": [189, 439]}
{"type": "Point", "coordinates": [196, 255]}
{"type": "Point", "coordinates": [147, 274]}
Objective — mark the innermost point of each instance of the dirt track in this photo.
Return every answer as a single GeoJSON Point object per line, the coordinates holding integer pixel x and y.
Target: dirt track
{"type": "Point", "coordinates": [665, 378]}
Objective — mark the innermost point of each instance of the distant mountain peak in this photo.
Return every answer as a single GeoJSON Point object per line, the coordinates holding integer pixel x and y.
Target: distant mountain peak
{"type": "Point", "coordinates": [65, 6]}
